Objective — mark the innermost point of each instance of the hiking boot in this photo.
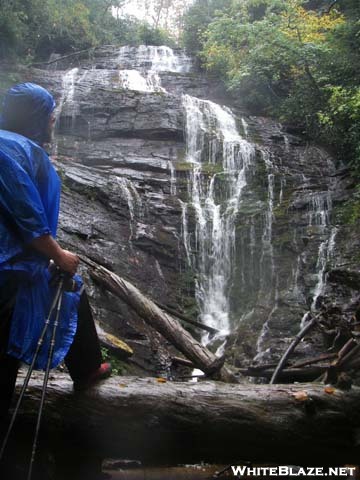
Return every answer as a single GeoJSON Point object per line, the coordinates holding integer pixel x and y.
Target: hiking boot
{"type": "Point", "coordinates": [104, 371]}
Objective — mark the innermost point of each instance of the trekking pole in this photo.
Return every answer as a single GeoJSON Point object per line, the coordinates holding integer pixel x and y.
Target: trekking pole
{"type": "Point", "coordinates": [46, 377]}
{"type": "Point", "coordinates": [31, 367]}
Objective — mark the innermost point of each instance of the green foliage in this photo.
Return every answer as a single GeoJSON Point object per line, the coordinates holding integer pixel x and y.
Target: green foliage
{"type": "Point", "coordinates": [297, 60]}
{"type": "Point", "coordinates": [349, 211]}
{"type": "Point", "coordinates": [8, 79]}
{"type": "Point", "coordinates": [41, 26]}
{"type": "Point", "coordinates": [153, 36]}
{"type": "Point", "coordinates": [196, 20]}
{"type": "Point", "coordinates": [35, 29]}
{"type": "Point", "coordinates": [340, 121]}
{"type": "Point", "coordinates": [12, 26]}
{"type": "Point", "coordinates": [117, 366]}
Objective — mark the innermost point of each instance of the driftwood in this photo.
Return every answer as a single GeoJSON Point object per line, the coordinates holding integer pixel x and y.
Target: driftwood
{"type": "Point", "coordinates": [348, 358]}
{"type": "Point", "coordinates": [165, 324]}
{"type": "Point", "coordinates": [347, 354]}
{"type": "Point", "coordinates": [186, 319]}
{"type": "Point", "coordinates": [182, 361]}
{"type": "Point", "coordinates": [292, 347]}
{"type": "Point", "coordinates": [305, 374]}
{"type": "Point", "coordinates": [173, 422]}
{"type": "Point", "coordinates": [311, 361]}
{"type": "Point", "coordinates": [72, 54]}
{"type": "Point", "coordinates": [301, 371]}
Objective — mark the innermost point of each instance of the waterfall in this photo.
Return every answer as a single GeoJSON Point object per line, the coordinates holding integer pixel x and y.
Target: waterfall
{"type": "Point", "coordinates": [185, 231]}
{"type": "Point", "coordinates": [149, 62]}
{"type": "Point", "coordinates": [296, 274]}
{"type": "Point", "coordinates": [282, 186]}
{"type": "Point", "coordinates": [172, 178]}
{"type": "Point", "coordinates": [129, 193]}
{"type": "Point", "coordinates": [146, 65]}
{"type": "Point", "coordinates": [245, 127]}
{"type": "Point", "coordinates": [325, 253]}
{"type": "Point", "coordinates": [267, 246]}
{"type": "Point", "coordinates": [66, 99]}
{"type": "Point", "coordinates": [68, 93]}
{"type": "Point", "coordinates": [253, 204]}
{"type": "Point", "coordinates": [319, 217]}
{"type": "Point", "coordinates": [220, 160]}
{"type": "Point", "coordinates": [267, 263]}
{"type": "Point", "coordinates": [155, 58]}
{"type": "Point", "coordinates": [134, 80]}
{"type": "Point", "coordinates": [261, 341]}
{"type": "Point", "coordinates": [319, 210]}
{"type": "Point", "coordinates": [287, 143]}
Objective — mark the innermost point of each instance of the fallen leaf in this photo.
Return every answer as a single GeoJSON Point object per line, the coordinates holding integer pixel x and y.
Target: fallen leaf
{"type": "Point", "coordinates": [300, 396]}
{"type": "Point", "coordinates": [116, 342]}
{"type": "Point", "coordinates": [122, 385]}
{"type": "Point", "coordinates": [328, 389]}
{"type": "Point", "coordinates": [161, 380]}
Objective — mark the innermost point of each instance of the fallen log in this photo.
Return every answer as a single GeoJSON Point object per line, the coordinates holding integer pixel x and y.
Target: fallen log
{"type": "Point", "coordinates": [185, 422]}
{"type": "Point", "coordinates": [161, 321]}
{"type": "Point", "coordinates": [305, 374]}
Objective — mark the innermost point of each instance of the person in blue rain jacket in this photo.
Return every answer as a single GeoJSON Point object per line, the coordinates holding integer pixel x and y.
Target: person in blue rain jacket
{"type": "Point", "coordinates": [29, 210]}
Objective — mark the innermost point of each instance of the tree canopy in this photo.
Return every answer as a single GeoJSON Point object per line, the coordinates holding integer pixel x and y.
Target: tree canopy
{"type": "Point", "coordinates": [37, 28]}
{"type": "Point", "coordinates": [297, 60]}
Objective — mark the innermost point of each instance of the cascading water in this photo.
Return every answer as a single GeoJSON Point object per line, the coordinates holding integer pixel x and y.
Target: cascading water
{"type": "Point", "coordinates": [66, 98]}
{"type": "Point", "coordinates": [149, 62]}
{"type": "Point", "coordinates": [245, 127]}
{"type": "Point", "coordinates": [220, 160]}
{"type": "Point", "coordinates": [267, 263]}
{"type": "Point", "coordinates": [267, 246]}
{"type": "Point", "coordinates": [68, 92]}
{"type": "Point", "coordinates": [319, 217]}
{"type": "Point", "coordinates": [128, 192]}
{"type": "Point", "coordinates": [155, 58]}
{"type": "Point", "coordinates": [172, 178]}
{"type": "Point", "coordinates": [134, 80]}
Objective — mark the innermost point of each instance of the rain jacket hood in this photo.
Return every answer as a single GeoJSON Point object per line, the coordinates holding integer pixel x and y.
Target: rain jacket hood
{"type": "Point", "coordinates": [26, 110]}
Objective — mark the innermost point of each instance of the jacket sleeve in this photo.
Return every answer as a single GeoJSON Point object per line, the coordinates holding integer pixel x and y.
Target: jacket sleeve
{"type": "Point", "coordinates": [20, 202]}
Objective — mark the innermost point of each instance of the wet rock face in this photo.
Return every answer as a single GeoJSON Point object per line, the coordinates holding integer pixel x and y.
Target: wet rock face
{"type": "Point", "coordinates": [105, 113]}
{"type": "Point", "coordinates": [284, 237]}
{"type": "Point", "coordinates": [127, 160]}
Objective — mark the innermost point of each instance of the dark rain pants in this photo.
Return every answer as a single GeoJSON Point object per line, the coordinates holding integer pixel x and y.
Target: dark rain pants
{"type": "Point", "coordinates": [83, 357]}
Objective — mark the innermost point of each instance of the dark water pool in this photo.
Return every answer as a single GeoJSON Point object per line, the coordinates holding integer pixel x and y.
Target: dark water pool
{"type": "Point", "coordinates": [198, 472]}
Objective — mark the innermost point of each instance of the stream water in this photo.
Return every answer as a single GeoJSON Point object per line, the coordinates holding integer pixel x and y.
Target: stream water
{"type": "Point", "coordinates": [195, 472]}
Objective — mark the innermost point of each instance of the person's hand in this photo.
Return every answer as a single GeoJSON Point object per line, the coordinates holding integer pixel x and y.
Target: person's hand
{"type": "Point", "coordinates": [67, 261]}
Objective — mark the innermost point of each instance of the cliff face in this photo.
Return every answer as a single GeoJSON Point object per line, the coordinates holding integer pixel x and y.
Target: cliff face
{"type": "Point", "coordinates": [205, 209]}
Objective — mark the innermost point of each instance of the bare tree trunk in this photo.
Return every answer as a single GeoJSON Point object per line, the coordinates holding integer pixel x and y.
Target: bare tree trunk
{"type": "Point", "coordinates": [158, 11]}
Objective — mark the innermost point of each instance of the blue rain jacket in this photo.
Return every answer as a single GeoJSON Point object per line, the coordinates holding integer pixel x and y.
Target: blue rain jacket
{"type": "Point", "coordinates": [29, 208]}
